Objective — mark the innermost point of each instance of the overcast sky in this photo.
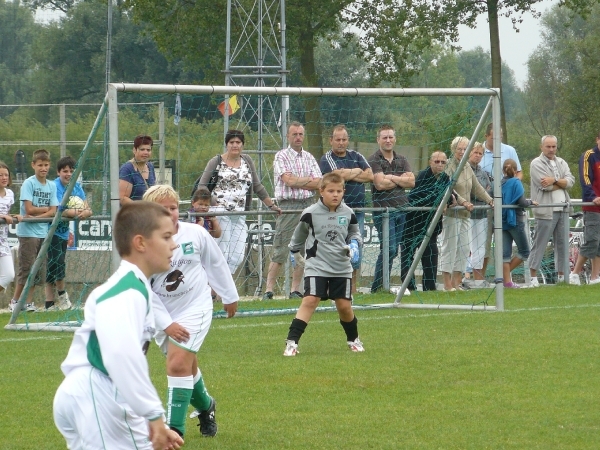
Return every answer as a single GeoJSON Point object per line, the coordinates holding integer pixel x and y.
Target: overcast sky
{"type": "Point", "coordinates": [514, 47]}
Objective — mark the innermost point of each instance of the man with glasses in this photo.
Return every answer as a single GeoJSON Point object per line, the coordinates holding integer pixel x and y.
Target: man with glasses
{"type": "Point", "coordinates": [391, 176]}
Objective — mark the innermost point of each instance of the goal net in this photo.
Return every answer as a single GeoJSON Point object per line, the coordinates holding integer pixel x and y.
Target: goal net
{"type": "Point", "coordinates": [188, 124]}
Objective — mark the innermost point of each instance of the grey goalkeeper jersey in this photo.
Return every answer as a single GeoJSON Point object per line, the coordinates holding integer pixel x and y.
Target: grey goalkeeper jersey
{"type": "Point", "coordinates": [325, 236]}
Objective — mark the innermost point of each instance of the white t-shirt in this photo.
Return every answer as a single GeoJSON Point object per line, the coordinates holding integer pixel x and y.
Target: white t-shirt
{"type": "Point", "coordinates": [5, 204]}
{"type": "Point", "coordinates": [184, 290]}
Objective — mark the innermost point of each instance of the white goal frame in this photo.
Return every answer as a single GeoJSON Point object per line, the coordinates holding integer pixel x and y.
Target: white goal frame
{"type": "Point", "coordinates": [493, 105]}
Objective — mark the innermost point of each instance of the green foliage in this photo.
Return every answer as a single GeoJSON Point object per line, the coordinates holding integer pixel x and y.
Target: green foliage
{"type": "Point", "coordinates": [428, 379]}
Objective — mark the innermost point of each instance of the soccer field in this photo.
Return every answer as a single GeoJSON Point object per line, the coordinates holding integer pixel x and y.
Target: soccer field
{"type": "Point", "coordinates": [525, 378]}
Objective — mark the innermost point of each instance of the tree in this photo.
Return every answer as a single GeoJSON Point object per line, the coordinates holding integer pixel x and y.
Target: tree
{"type": "Point", "coordinates": [17, 33]}
{"type": "Point", "coordinates": [390, 37]}
{"type": "Point", "coordinates": [446, 15]}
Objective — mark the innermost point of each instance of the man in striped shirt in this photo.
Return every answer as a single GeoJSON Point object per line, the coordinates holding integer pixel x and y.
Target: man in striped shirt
{"type": "Point", "coordinates": [297, 176]}
{"type": "Point", "coordinates": [356, 171]}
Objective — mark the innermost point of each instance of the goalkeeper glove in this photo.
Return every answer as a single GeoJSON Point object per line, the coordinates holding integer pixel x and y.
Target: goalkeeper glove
{"type": "Point", "coordinates": [354, 253]}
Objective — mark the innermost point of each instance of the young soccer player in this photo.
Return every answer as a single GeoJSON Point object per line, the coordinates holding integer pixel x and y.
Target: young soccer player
{"type": "Point", "coordinates": [38, 199]}
{"type": "Point", "coordinates": [183, 312]}
{"type": "Point", "coordinates": [7, 199]}
{"type": "Point", "coordinates": [329, 230]}
{"type": "Point", "coordinates": [55, 276]}
{"type": "Point", "coordinates": [201, 204]}
{"type": "Point", "coordinates": [107, 400]}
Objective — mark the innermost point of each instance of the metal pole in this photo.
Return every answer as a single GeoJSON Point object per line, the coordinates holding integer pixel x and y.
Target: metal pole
{"type": "Point", "coordinates": [385, 230]}
{"type": "Point", "coordinates": [113, 121]}
{"type": "Point", "coordinates": [161, 149]}
{"type": "Point", "coordinates": [497, 169]}
{"type": "Point", "coordinates": [63, 130]}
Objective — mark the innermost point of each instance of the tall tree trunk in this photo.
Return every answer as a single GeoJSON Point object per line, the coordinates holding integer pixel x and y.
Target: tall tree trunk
{"type": "Point", "coordinates": [313, 126]}
{"type": "Point", "coordinates": [496, 60]}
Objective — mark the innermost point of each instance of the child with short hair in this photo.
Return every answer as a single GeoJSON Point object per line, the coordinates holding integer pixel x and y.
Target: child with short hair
{"type": "Point", "coordinates": [201, 204]}
{"type": "Point", "coordinates": [329, 231]}
{"type": "Point", "coordinates": [57, 251]}
{"type": "Point", "coordinates": [107, 400]}
{"type": "Point", "coordinates": [7, 199]}
{"type": "Point", "coordinates": [183, 312]}
{"type": "Point", "coordinates": [38, 199]}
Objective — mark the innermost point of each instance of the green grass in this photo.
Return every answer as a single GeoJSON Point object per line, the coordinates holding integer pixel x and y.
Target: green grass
{"type": "Point", "coordinates": [520, 379]}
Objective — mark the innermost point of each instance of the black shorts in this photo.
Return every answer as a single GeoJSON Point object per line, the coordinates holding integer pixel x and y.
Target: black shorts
{"type": "Point", "coordinates": [57, 253]}
{"type": "Point", "coordinates": [326, 288]}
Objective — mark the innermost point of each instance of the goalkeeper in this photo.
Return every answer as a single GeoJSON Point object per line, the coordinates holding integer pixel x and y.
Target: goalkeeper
{"type": "Point", "coordinates": [183, 312]}
{"type": "Point", "coordinates": [329, 231]}
{"type": "Point", "coordinates": [55, 276]}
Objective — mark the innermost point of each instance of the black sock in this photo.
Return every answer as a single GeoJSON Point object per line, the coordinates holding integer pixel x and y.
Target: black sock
{"type": "Point", "coordinates": [296, 330]}
{"type": "Point", "coordinates": [351, 329]}
{"type": "Point", "coordinates": [49, 304]}
{"type": "Point", "coordinates": [61, 292]}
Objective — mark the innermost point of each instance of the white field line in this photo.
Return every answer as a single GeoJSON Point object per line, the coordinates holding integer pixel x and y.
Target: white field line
{"type": "Point", "coordinates": [240, 324]}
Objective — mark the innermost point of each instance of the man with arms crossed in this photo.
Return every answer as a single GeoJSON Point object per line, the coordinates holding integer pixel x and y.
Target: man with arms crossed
{"type": "Point", "coordinates": [107, 400]}
{"type": "Point", "coordinates": [550, 179]}
{"type": "Point", "coordinates": [297, 176]}
{"type": "Point", "coordinates": [391, 176]}
{"type": "Point", "coordinates": [355, 170]}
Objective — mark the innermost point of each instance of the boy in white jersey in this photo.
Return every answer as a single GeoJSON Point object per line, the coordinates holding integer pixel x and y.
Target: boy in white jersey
{"type": "Point", "coordinates": [329, 232]}
{"type": "Point", "coordinates": [107, 400]}
{"type": "Point", "coordinates": [183, 312]}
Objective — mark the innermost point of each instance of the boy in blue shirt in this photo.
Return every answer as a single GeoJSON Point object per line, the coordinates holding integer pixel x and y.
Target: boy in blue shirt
{"type": "Point", "coordinates": [55, 277]}
{"type": "Point", "coordinates": [38, 199]}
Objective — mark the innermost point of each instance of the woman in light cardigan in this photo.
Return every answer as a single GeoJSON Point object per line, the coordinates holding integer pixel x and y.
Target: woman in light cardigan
{"type": "Point", "coordinates": [456, 224]}
{"type": "Point", "coordinates": [232, 179]}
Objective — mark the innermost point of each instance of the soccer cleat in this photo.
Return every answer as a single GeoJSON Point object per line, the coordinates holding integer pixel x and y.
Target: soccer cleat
{"type": "Point", "coordinates": [63, 302]}
{"type": "Point", "coordinates": [356, 345]}
{"type": "Point", "coordinates": [208, 424]}
{"type": "Point", "coordinates": [574, 279]}
{"type": "Point", "coordinates": [511, 285]}
{"type": "Point", "coordinates": [267, 295]}
{"type": "Point", "coordinates": [534, 282]}
{"type": "Point", "coordinates": [291, 349]}
{"type": "Point", "coordinates": [295, 294]}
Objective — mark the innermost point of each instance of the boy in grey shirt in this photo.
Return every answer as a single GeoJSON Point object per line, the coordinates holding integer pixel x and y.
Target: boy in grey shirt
{"type": "Point", "coordinates": [329, 231]}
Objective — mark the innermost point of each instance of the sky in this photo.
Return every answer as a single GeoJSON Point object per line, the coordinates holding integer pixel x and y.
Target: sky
{"type": "Point", "coordinates": [515, 47]}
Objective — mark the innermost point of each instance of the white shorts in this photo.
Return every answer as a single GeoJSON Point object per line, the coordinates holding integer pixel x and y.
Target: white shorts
{"type": "Point", "coordinates": [92, 416]}
{"type": "Point", "coordinates": [197, 325]}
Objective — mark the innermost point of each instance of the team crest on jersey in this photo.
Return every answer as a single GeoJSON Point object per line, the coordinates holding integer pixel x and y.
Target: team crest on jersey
{"type": "Point", "coordinates": [342, 220]}
{"type": "Point", "coordinates": [187, 248]}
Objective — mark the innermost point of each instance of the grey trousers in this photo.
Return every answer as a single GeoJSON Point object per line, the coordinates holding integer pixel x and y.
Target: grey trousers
{"type": "Point", "coordinates": [544, 228]}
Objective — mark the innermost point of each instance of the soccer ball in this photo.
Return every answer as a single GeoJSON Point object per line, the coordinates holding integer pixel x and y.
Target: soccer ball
{"type": "Point", "coordinates": [75, 203]}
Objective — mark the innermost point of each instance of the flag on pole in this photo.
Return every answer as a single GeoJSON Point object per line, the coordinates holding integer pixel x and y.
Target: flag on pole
{"type": "Point", "coordinates": [177, 117]}
{"type": "Point", "coordinates": [232, 106]}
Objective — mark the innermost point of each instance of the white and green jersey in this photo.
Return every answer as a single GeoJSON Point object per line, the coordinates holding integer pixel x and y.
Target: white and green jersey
{"type": "Point", "coordinates": [118, 325]}
{"type": "Point", "coordinates": [184, 290]}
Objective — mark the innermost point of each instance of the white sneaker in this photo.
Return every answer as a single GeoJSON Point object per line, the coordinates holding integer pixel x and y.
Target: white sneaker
{"type": "Point", "coordinates": [63, 302]}
{"type": "Point", "coordinates": [534, 283]}
{"type": "Point", "coordinates": [596, 281]}
{"type": "Point", "coordinates": [560, 279]}
{"type": "Point", "coordinates": [356, 345]}
{"type": "Point", "coordinates": [30, 307]}
{"type": "Point", "coordinates": [574, 279]}
{"type": "Point", "coordinates": [12, 305]}
{"type": "Point", "coordinates": [291, 349]}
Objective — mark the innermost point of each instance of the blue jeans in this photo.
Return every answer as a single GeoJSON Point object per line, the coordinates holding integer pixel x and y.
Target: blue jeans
{"type": "Point", "coordinates": [519, 236]}
{"type": "Point", "coordinates": [360, 216]}
{"type": "Point", "coordinates": [397, 220]}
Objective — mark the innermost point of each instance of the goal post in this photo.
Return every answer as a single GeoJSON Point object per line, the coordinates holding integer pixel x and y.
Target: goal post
{"type": "Point", "coordinates": [493, 105]}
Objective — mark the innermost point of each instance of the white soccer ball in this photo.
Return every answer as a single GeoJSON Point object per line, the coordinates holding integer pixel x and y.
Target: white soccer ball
{"type": "Point", "coordinates": [75, 203]}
